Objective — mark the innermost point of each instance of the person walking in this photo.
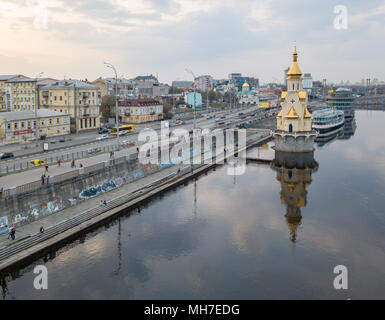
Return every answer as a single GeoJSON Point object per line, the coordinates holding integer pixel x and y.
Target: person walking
{"type": "Point", "coordinates": [46, 168]}
{"type": "Point", "coordinates": [58, 162]}
{"type": "Point", "coordinates": [41, 229]}
{"type": "Point", "coordinates": [13, 233]}
{"type": "Point", "coordinates": [42, 178]}
{"type": "Point", "coordinates": [10, 231]}
{"type": "Point", "coordinates": [73, 163]}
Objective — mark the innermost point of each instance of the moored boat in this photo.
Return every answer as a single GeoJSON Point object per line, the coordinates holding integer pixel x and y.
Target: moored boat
{"type": "Point", "coordinates": [327, 120]}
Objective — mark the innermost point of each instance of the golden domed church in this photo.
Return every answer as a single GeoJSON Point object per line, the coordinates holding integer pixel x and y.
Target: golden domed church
{"type": "Point", "coordinates": [294, 122]}
{"type": "Point", "coordinates": [245, 86]}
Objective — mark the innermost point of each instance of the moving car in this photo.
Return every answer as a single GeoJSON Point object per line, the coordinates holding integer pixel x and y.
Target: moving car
{"type": "Point", "coordinates": [6, 155]}
{"type": "Point", "coordinates": [37, 162]}
{"type": "Point", "coordinates": [103, 130]}
{"type": "Point", "coordinates": [122, 133]}
{"type": "Point", "coordinates": [103, 137]}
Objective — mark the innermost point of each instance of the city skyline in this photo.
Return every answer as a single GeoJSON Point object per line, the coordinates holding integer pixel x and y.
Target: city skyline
{"type": "Point", "coordinates": [72, 39]}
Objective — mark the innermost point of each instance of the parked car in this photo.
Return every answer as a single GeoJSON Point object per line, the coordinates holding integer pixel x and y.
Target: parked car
{"type": "Point", "coordinates": [53, 141]}
{"type": "Point", "coordinates": [62, 139]}
{"type": "Point", "coordinates": [6, 155]}
{"type": "Point", "coordinates": [36, 163]}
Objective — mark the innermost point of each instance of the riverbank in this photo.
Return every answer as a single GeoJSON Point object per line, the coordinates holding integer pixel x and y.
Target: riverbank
{"type": "Point", "coordinates": [71, 221]}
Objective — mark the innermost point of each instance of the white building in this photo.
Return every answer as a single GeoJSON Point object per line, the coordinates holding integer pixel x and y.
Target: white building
{"type": "Point", "coordinates": [203, 83]}
{"type": "Point", "coordinates": [307, 82]}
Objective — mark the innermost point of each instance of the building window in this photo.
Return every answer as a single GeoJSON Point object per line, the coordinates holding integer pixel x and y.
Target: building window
{"type": "Point", "coordinates": [57, 120]}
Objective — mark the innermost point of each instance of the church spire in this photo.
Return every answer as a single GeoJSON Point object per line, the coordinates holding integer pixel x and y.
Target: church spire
{"type": "Point", "coordinates": [294, 71]}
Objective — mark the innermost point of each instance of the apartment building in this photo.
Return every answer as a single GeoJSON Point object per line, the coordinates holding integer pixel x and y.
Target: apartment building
{"type": "Point", "coordinates": [23, 126]}
{"type": "Point", "coordinates": [21, 94]}
{"type": "Point", "coordinates": [140, 110]}
{"type": "Point", "coordinates": [3, 80]}
{"type": "Point", "coordinates": [203, 83]}
{"type": "Point", "coordinates": [80, 99]}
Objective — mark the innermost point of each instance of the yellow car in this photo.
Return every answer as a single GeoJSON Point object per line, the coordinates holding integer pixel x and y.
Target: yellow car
{"type": "Point", "coordinates": [36, 163]}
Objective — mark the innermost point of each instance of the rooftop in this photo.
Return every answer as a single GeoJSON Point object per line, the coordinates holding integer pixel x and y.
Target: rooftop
{"type": "Point", "coordinates": [69, 84]}
{"type": "Point", "coordinates": [10, 76]}
{"type": "Point", "coordinates": [24, 115]}
{"type": "Point", "coordinates": [138, 102]}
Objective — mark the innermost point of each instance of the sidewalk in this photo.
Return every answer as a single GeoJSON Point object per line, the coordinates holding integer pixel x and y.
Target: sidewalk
{"type": "Point", "coordinates": [60, 216]}
{"type": "Point", "coordinates": [32, 175]}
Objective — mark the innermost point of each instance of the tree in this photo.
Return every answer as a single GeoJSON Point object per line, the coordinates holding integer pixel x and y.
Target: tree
{"type": "Point", "coordinates": [167, 110]}
{"type": "Point", "coordinates": [107, 108]}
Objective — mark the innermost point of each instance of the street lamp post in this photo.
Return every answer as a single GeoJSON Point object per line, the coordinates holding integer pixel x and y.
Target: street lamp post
{"type": "Point", "coordinates": [195, 104]}
{"type": "Point", "coordinates": [109, 65]}
{"type": "Point", "coordinates": [37, 105]}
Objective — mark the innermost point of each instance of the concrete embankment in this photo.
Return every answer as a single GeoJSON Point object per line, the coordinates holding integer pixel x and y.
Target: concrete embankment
{"type": "Point", "coordinates": [73, 220]}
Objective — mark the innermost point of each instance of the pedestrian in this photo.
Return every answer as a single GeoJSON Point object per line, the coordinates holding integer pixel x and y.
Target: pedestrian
{"type": "Point", "coordinates": [42, 178]}
{"type": "Point", "coordinates": [137, 149]}
{"type": "Point", "coordinates": [13, 233]}
{"type": "Point", "coordinates": [81, 166]}
{"type": "Point", "coordinates": [73, 163]}
{"type": "Point", "coordinates": [101, 203]}
{"type": "Point", "coordinates": [41, 229]}
{"type": "Point", "coordinates": [111, 153]}
{"type": "Point", "coordinates": [105, 202]}
{"type": "Point", "coordinates": [46, 168]}
{"type": "Point", "coordinates": [58, 162]}
{"type": "Point", "coordinates": [10, 231]}
{"type": "Point", "coordinates": [178, 170]}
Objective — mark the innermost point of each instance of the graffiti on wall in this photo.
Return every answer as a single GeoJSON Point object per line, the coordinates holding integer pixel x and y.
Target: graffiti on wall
{"type": "Point", "coordinates": [3, 224]}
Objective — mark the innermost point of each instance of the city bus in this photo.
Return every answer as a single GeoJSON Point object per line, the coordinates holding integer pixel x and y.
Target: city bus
{"type": "Point", "coordinates": [127, 128]}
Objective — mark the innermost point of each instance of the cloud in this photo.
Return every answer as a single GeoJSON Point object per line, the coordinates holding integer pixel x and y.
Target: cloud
{"type": "Point", "coordinates": [215, 37]}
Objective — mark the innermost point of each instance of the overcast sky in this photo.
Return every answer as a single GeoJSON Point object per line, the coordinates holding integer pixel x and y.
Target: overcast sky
{"type": "Point", "coordinates": [72, 38]}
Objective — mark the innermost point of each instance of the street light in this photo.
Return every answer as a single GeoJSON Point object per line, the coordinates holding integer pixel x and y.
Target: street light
{"type": "Point", "coordinates": [195, 105]}
{"type": "Point", "coordinates": [37, 104]}
{"type": "Point", "coordinates": [109, 65]}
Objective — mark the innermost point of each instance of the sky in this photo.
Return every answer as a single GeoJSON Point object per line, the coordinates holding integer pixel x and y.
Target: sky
{"type": "Point", "coordinates": [72, 38]}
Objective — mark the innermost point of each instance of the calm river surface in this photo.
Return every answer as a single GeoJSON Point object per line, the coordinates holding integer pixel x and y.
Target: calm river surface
{"type": "Point", "coordinates": [272, 233]}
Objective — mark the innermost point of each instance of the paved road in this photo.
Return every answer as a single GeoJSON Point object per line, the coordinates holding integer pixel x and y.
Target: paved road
{"type": "Point", "coordinates": [81, 151]}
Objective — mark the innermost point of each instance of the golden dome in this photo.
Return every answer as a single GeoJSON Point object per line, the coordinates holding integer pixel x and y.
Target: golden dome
{"type": "Point", "coordinates": [294, 71]}
{"type": "Point", "coordinates": [245, 84]}
{"type": "Point", "coordinates": [292, 114]}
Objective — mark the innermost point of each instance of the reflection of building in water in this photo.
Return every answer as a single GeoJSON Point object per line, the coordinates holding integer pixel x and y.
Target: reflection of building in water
{"type": "Point", "coordinates": [294, 172]}
{"type": "Point", "coordinates": [350, 127]}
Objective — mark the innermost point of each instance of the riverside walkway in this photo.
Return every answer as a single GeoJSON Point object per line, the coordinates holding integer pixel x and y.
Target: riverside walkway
{"type": "Point", "coordinates": [72, 220]}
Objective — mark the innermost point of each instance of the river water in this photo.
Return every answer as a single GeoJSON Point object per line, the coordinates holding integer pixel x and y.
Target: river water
{"type": "Point", "coordinates": [276, 232]}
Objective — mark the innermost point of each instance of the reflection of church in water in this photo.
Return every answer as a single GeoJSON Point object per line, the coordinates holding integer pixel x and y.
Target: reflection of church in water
{"type": "Point", "coordinates": [294, 172]}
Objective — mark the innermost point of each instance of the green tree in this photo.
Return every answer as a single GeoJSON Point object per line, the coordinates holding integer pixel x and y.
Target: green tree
{"type": "Point", "coordinates": [107, 108]}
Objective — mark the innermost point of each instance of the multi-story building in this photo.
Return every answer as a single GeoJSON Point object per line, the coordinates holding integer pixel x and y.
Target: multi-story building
{"type": "Point", "coordinates": [23, 126]}
{"type": "Point", "coordinates": [3, 80]}
{"type": "Point", "coordinates": [126, 88]}
{"type": "Point", "coordinates": [79, 99]}
{"type": "Point", "coordinates": [140, 110]}
{"type": "Point", "coordinates": [203, 83]}
{"type": "Point", "coordinates": [21, 94]}
{"type": "Point", "coordinates": [307, 82]}
{"type": "Point", "coordinates": [149, 87]}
